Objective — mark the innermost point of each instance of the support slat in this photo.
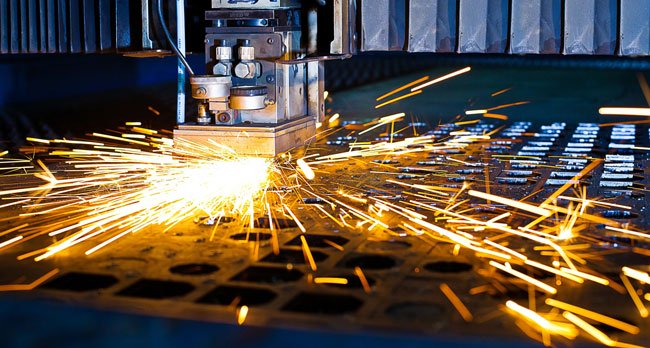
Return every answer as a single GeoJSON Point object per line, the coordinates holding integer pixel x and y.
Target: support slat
{"type": "Point", "coordinates": [383, 25]}
{"type": "Point", "coordinates": [590, 26]}
{"type": "Point", "coordinates": [483, 26]}
{"type": "Point", "coordinates": [535, 26]}
{"type": "Point", "coordinates": [42, 26]}
{"type": "Point", "coordinates": [52, 25]}
{"type": "Point", "coordinates": [89, 25]}
{"type": "Point", "coordinates": [62, 26]}
{"type": "Point", "coordinates": [74, 25]}
{"type": "Point", "coordinates": [634, 33]}
{"type": "Point", "coordinates": [432, 26]}
{"type": "Point", "coordinates": [4, 26]}
{"type": "Point", "coordinates": [32, 24]}
{"type": "Point", "coordinates": [105, 25]}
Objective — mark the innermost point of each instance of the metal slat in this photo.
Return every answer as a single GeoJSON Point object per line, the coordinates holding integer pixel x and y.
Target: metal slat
{"type": "Point", "coordinates": [104, 20]}
{"type": "Point", "coordinates": [634, 33]}
{"type": "Point", "coordinates": [14, 28]}
{"type": "Point", "coordinates": [483, 26]}
{"type": "Point", "coordinates": [535, 26]}
{"type": "Point", "coordinates": [42, 26]}
{"type": "Point", "coordinates": [122, 24]}
{"type": "Point", "coordinates": [432, 26]}
{"type": "Point", "coordinates": [89, 24]}
{"type": "Point", "coordinates": [4, 26]}
{"type": "Point", "coordinates": [74, 25]}
{"type": "Point", "coordinates": [33, 26]}
{"type": "Point", "coordinates": [383, 25]}
{"type": "Point", "coordinates": [62, 26]}
{"type": "Point", "coordinates": [590, 26]}
{"type": "Point", "coordinates": [51, 26]}
{"type": "Point", "coordinates": [23, 34]}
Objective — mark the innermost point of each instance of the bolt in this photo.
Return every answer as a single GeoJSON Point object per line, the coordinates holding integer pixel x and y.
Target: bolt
{"type": "Point", "coordinates": [270, 79]}
{"type": "Point", "coordinates": [201, 91]}
{"type": "Point", "coordinates": [270, 41]}
{"type": "Point", "coordinates": [223, 117]}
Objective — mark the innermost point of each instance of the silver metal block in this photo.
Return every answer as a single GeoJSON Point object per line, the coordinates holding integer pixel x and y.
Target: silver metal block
{"type": "Point", "coordinates": [590, 26]}
{"type": "Point", "coordinates": [483, 26]}
{"type": "Point", "coordinates": [535, 26]}
{"type": "Point", "coordinates": [262, 140]}
{"type": "Point", "coordinates": [432, 26]}
{"type": "Point", "coordinates": [634, 33]}
{"type": "Point", "coordinates": [383, 25]}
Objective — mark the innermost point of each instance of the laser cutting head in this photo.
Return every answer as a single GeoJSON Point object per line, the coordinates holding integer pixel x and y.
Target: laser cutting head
{"type": "Point", "coordinates": [260, 98]}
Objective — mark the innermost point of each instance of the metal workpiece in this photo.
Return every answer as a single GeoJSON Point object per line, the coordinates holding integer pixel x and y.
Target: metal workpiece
{"type": "Point", "coordinates": [535, 26]}
{"type": "Point", "coordinates": [383, 25]}
{"type": "Point", "coordinates": [634, 35]}
{"type": "Point", "coordinates": [590, 26]}
{"type": "Point", "coordinates": [483, 26]}
{"type": "Point", "coordinates": [185, 273]}
{"type": "Point", "coordinates": [432, 26]}
{"type": "Point", "coordinates": [265, 140]}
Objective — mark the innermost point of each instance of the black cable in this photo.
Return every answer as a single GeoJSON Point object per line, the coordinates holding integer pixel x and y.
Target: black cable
{"type": "Point", "coordinates": [171, 41]}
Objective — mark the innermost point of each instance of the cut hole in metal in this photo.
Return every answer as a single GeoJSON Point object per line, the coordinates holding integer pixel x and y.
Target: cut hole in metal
{"type": "Point", "coordinates": [263, 222]}
{"type": "Point", "coordinates": [194, 269]}
{"type": "Point", "coordinates": [306, 302]}
{"type": "Point", "coordinates": [448, 267]}
{"type": "Point", "coordinates": [319, 241]}
{"type": "Point", "coordinates": [252, 237]}
{"type": "Point", "coordinates": [619, 214]}
{"type": "Point", "coordinates": [80, 282]}
{"type": "Point", "coordinates": [370, 262]}
{"type": "Point", "coordinates": [157, 289]}
{"type": "Point", "coordinates": [243, 296]}
{"type": "Point", "coordinates": [415, 311]}
{"type": "Point", "coordinates": [293, 256]}
{"type": "Point", "coordinates": [268, 275]}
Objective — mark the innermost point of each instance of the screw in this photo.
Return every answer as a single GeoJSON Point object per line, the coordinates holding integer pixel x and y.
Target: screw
{"type": "Point", "coordinates": [270, 41]}
{"type": "Point", "coordinates": [223, 117]}
{"type": "Point", "coordinates": [270, 79]}
{"type": "Point", "coordinates": [201, 91]}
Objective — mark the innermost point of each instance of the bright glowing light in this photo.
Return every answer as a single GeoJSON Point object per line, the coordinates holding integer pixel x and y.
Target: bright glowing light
{"type": "Point", "coordinates": [441, 78]}
{"type": "Point", "coordinates": [644, 112]}
{"type": "Point", "coordinates": [306, 169]}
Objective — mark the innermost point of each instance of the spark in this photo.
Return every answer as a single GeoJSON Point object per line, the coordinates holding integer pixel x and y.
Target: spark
{"type": "Point", "coordinates": [399, 89]}
{"type": "Point", "coordinates": [508, 269]}
{"type": "Point", "coordinates": [510, 202]}
{"type": "Point", "coordinates": [643, 311]}
{"type": "Point", "coordinates": [396, 99]}
{"type": "Point", "coordinates": [621, 111]}
{"type": "Point", "coordinates": [242, 313]}
{"type": "Point", "coordinates": [305, 169]}
{"type": "Point", "coordinates": [363, 280]}
{"type": "Point", "coordinates": [456, 302]}
{"type": "Point", "coordinates": [636, 274]}
{"type": "Point", "coordinates": [594, 316]}
{"type": "Point", "coordinates": [442, 78]}
{"type": "Point", "coordinates": [330, 280]}
{"type": "Point", "coordinates": [476, 112]}
{"type": "Point", "coordinates": [551, 327]}
{"type": "Point", "coordinates": [308, 256]}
